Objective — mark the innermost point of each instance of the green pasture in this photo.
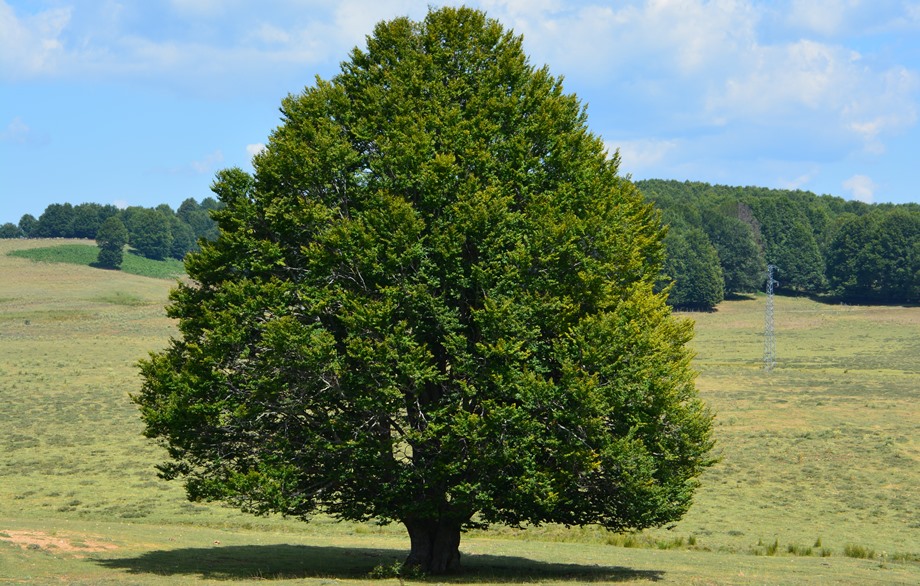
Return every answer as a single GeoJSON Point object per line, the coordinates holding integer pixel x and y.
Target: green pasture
{"type": "Point", "coordinates": [85, 252]}
{"type": "Point", "coordinates": [817, 484]}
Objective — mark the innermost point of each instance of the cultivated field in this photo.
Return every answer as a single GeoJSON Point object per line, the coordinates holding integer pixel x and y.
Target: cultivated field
{"type": "Point", "coordinates": [817, 483]}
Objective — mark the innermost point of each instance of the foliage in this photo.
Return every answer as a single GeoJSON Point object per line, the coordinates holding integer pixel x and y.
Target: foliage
{"type": "Point", "coordinates": [183, 238]}
{"type": "Point", "coordinates": [198, 217]}
{"type": "Point", "coordinates": [790, 244]}
{"type": "Point", "coordinates": [88, 218]}
{"type": "Point", "coordinates": [149, 234]}
{"type": "Point", "coordinates": [55, 222]}
{"type": "Point", "coordinates": [819, 244]}
{"type": "Point", "coordinates": [898, 245]}
{"type": "Point", "coordinates": [876, 257]}
{"type": "Point", "coordinates": [433, 304]}
{"type": "Point", "coordinates": [10, 230]}
{"type": "Point", "coordinates": [111, 239]}
{"type": "Point", "coordinates": [852, 550]}
{"type": "Point", "coordinates": [739, 256]}
{"type": "Point", "coordinates": [694, 264]}
{"type": "Point", "coordinates": [28, 223]}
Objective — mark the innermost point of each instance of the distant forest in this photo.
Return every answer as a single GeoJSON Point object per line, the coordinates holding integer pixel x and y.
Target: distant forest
{"type": "Point", "coordinates": [157, 233]}
{"type": "Point", "coordinates": [720, 240]}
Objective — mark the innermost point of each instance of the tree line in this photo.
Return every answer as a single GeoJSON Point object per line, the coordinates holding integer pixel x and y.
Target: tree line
{"type": "Point", "coordinates": [156, 233]}
{"type": "Point", "coordinates": [721, 239]}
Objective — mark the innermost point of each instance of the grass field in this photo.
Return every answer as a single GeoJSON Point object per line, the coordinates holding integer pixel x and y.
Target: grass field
{"type": "Point", "coordinates": [817, 483]}
{"type": "Point", "coordinates": [85, 252]}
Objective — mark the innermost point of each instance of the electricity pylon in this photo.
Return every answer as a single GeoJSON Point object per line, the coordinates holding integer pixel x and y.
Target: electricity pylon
{"type": "Point", "coordinates": [769, 336]}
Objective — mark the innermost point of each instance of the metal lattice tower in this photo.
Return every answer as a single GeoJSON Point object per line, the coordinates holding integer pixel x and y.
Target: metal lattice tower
{"type": "Point", "coordinates": [769, 335]}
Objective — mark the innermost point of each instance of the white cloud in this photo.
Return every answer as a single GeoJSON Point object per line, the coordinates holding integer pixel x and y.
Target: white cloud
{"type": "Point", "coordinates": [18, 132]}
{"type": "Point", "coordinates": [255, 149]}
{"type": "Point", "coordinates": [841, 18]}
{"type": "Point", "coordinates": [355, 19]}
{"type": "Point", "coordinates": [913, 12]}
{"type": "Point", "coordinates": [199, 7]}
{"type": "Point", "coordinates": [827, 88]}
{"type": "Point", "coordinates": [680, 36]}
{"type": "Point", "coordinates": [861, 187]}
{"type": "Point", "coordinates": [768, 79]}
{"type": "Point", "coordinates": [825, 17]}
{"type": "Point", "coordinates": [210, 45]}
{"type": "Point", "coordinates": [204, 166]}
{"type": "Point", "coordinates": [269, 34]}
{"type": "Point", "coordinates": [209, 163]}
{"type": "Point", "coordinates": [890, 107]}
{"type": "Point", "coordinates": [712, 64]}
{"type": "Point", "coordinates": [798, 182]}
{"type": "Point", "coordinates": [638, 155]}
{"type": "Point", "coordinates": [31, 45]}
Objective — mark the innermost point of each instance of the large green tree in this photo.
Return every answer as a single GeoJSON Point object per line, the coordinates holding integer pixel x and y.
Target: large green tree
{"type": "Point", "coordinates": [432, 304]}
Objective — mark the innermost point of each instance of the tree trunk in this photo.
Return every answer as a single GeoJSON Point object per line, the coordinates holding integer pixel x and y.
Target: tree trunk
{"type": "Point", "coordinates": [435, 545]}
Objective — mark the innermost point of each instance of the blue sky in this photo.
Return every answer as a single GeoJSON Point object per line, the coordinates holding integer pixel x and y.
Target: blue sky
{"type": "Point", "coordinates": [139, 102]}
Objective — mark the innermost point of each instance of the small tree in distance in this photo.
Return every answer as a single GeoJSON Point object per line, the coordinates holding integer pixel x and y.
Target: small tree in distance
{"type": "Point", "coordinates": [149, 232]}
{"type": "Point", "coordinates": [433, 304]}
{"type": "Point", "coordinates": [693, 263]}
{"type": "Point", "coordinates": [111, 239]}
{"type": "Point", "coordinates": [28, 223]}
{"type": "Point", "coordinates": [10, 230]}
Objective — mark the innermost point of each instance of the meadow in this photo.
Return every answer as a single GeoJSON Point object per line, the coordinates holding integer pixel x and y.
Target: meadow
{"type": "Point", "coordinates": [817, 483]}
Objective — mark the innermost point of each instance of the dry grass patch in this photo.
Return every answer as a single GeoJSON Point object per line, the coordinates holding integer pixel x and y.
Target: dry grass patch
{"type": "Point", "coordinates": [67, 543]}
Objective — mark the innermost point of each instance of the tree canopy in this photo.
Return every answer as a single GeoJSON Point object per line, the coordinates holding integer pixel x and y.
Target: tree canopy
{"type": "Point", "coordinates": [876, 257]}
{"type": "Point", "coordinates": [10, 230]}
{"type": "Point", "coordinates": [820, 245]}
{"type": "Point", "coordinates": [27, 223]}
{"type": "Point", "coordinates": [111, 238]}
{"type": "Point", "coordinates": [694, 263]}
{"type": "Point", "coordinates": [55, 222]}
{"type": "Point", "coordinates": [148, 232]}
{"type": "Point", "coordinates": [433, 304]}
{"type": "Point", "coordinates": [739, 256]}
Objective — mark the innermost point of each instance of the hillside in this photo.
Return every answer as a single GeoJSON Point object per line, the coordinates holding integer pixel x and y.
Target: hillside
{"type": "Point", "coordinates": [721, 239]}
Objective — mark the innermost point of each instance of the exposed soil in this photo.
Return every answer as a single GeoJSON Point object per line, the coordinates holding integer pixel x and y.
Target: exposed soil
{"type": "Point", "coordinates": [69, 543]}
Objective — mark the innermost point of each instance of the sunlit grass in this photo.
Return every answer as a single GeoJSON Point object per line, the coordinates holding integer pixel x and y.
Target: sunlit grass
{"type": "Point", "coordinates": [819, 458]}
{"type": "Point", "coordinates": [825, 444]}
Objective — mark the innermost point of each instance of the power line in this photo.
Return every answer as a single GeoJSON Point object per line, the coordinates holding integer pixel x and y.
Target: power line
{"type": "Point", "coordinates": [769, 335]}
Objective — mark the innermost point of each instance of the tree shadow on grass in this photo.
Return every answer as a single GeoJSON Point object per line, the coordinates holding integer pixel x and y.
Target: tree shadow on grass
{"type": "Point", "coordinates": [289, 562]}
{"type": "Point", "coordinates": [740, 296]}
